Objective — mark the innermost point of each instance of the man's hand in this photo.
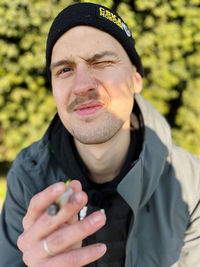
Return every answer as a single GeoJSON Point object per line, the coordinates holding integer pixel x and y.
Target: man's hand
{"type": "Point", "coordinates": [63, 232]}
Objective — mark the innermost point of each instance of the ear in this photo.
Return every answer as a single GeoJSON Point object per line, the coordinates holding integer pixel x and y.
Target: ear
{"type": "Point", "coordinates": [138, 83]}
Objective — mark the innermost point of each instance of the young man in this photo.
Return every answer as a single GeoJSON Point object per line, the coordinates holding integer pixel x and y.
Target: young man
{"type": "Point", "coordinates": [135, 199]}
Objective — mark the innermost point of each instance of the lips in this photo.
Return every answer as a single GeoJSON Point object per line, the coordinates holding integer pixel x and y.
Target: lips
{"type": "Point", "coordinates": [88, 108]}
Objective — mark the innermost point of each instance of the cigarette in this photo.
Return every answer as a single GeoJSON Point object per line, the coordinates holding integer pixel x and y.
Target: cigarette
{"type": "Point", "coordinates": [54, 208]}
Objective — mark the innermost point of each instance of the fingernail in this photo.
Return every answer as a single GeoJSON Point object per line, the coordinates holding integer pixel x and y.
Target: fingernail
{"type": "Point", "coordinates": [101, 248]}
{"type": "Point", "coordinates": [103, 211]}
{"type": "Point", "coordinates": [77, 198]}
{"type": "Point", "coordinates": [95, 219]}
{"type": "Point", "coordinates": [57, 188]}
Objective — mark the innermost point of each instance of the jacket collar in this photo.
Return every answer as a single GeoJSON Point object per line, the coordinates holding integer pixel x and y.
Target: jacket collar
{"type": "Point", "coordinates": [142, 180]}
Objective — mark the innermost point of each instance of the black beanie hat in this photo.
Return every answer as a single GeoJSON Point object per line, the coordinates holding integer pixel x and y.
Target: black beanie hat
{"type": "Point", "coordinates": [97, 16]}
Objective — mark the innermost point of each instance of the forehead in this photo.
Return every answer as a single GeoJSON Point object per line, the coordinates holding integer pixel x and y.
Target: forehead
{"type": "Point", "coordinates": [85, 41]}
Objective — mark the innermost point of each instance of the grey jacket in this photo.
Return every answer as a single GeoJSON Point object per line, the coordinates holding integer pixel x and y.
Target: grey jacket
{"type": "Point", "coordinates": [165, 177]}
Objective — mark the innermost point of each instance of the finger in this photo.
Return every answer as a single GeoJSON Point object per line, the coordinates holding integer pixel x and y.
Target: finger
{"type": "Point", "coordinates": [73, 234]}
{"type": "Point", "coordinates": [42, 200]}
{"type": "Point", "coordinates": [67, 215]}
{"type": "Point", "coordinates": [66, 237]}
{"type": "Point", "coordinates": [46, 224]}
{"type": "Point", "coordinates": [76, 258]}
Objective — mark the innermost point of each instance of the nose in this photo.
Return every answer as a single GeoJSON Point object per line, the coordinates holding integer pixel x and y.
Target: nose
{"type": "Point", "coordinates": [84, 81]}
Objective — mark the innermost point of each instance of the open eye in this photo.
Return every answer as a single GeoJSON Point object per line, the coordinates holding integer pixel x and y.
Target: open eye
{"type": "Point", "coordinates": [64, 70]}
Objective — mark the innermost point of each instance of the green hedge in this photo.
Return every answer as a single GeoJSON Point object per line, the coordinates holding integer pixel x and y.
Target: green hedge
{"type": "Point", "coordinates": [168, 40]}
{"type": "Point", "coordinates": [2, 190]}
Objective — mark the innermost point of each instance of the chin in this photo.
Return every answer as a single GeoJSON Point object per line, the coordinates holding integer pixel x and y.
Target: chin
{"type": "Point", "coordinates": [96, 136]}
{"type": "Point", "coordinates": [90, 141]}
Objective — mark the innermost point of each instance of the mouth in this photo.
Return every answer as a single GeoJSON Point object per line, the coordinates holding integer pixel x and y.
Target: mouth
{"type": "Point", "coordinates": [88, 108]}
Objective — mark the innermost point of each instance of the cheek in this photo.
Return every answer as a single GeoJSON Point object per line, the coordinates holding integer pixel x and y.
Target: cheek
{"type": "Point", "coordinates": [121, 100]}
{"type": "Point", "coordinates": [123, 95]}
{"type": "Point", "coordinates": [61, 101]}
{"type": "Point", "coordinates": [60, 95]}
{"type": "Point", "coordinates": [120, 87]}
{"type": "Point", "coordinates": [121, 79]}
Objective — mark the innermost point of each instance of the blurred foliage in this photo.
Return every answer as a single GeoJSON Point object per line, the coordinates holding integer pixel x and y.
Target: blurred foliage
{"type": "Point", "coordinates": [2, 190]}
{"type": "Point", "coordinates": [167, 38]}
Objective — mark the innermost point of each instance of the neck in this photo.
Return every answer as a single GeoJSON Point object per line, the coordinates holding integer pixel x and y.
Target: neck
{"type": "Point", "coordinates": [104, 161]}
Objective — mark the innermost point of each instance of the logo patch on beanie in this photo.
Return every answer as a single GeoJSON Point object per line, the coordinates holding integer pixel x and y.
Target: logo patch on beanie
{"type": "Point", "coordinates": [126, 29]}
{"type": "Point", "coordinates": [108, 15]}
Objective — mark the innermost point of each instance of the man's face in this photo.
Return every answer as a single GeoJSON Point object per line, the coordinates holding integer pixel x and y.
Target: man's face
{"type": "Point", "coordinates": [93, 84]}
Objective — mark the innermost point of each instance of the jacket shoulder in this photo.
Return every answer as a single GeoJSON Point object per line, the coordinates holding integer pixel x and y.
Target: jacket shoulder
{"type": "Point", "coordinates": [35, 168]}
{"type": "Point", "coordinates": [187, 169]}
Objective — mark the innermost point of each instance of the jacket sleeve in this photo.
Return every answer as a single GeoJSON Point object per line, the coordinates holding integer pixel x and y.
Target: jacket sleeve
{"type": "Point", "coordinates": [190, 255]}
{"type": "Point", "coordinates": [188, 175]}
{"type": "Point", "coordinates": [13, 211]}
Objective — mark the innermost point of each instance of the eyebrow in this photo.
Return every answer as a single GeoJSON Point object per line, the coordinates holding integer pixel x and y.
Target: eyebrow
{"type": "Point", "coordinates": [91, 59]}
